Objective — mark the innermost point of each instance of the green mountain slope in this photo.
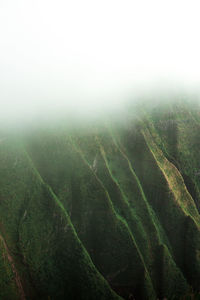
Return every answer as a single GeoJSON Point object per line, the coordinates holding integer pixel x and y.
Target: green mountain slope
{"type": "Point", "coordinates": [107, 212]}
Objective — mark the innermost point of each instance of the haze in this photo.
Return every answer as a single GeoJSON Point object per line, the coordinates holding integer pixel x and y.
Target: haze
{"type": "Point", "coordinates": [86, 57]}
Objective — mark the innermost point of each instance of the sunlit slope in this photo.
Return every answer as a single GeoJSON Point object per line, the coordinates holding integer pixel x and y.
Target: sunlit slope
{"type": "Point", "coordinates": [96, 212]}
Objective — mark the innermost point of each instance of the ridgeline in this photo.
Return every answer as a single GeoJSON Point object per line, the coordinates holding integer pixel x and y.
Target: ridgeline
{"type": "Point", "coordinates": [105, 212]}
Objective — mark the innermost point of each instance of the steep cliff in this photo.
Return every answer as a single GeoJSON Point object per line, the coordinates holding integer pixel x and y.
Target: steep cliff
{"type": "Point", "coordinates": [106, 212]}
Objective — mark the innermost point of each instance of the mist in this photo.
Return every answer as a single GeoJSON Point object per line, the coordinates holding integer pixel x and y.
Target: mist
{"type": "Point", "coordinates": [88, 58]}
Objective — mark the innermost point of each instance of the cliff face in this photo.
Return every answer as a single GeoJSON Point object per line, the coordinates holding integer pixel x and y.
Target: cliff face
{"type": "Point", "coordinates": [111, 212]}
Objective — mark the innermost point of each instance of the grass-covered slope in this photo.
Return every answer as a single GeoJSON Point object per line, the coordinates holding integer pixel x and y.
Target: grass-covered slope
{"type": "Point", "coordinates": [105, 213]}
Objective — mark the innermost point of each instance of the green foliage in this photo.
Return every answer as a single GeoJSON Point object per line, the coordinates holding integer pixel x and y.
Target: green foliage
{"type": "Point", "coordinates": [105, 211]}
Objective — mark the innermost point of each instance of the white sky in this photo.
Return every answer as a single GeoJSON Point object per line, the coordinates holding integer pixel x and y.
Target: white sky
{"type": "Point", "coordinates": [87, 54]}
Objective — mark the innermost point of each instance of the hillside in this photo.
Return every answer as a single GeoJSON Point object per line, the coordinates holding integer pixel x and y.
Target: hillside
{"type": "Point", "coordinates": [108, 211]}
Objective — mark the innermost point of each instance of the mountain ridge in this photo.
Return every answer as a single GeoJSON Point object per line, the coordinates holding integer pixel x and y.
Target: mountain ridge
{"type": "Point", "coordinates": [104, 212]}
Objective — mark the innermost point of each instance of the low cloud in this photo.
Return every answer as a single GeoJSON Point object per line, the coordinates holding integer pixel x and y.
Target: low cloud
{"type": "Point", "coordinates": [86, 58]}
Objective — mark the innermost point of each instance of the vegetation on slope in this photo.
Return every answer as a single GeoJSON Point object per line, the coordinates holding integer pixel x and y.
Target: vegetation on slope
{"type": "Point", "coordinates": [109, 212]}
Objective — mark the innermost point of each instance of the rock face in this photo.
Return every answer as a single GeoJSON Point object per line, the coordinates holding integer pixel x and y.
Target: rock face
{"type": "Point", "coordinates": [104, 213]}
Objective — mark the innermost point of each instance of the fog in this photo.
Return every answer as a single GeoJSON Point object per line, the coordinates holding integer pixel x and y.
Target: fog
{"type": "Point", "coordinates": [85, 58]}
